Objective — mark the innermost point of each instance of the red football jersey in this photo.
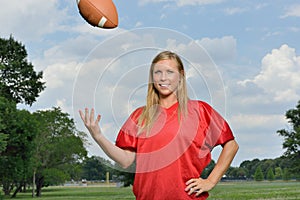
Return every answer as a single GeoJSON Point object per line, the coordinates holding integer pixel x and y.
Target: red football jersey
{"type": "Point", "coordinates": [174, 150]}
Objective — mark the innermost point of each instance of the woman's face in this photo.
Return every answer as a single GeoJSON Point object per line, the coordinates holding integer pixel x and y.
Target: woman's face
{"type": "Point", "coordinates": [166, 77]}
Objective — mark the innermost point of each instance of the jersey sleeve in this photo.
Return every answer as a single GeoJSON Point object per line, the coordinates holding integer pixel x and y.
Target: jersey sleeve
{"type": "Point", "coordinates": [127, 136]}
{"type": "Point", "coordinates": [218, 130]}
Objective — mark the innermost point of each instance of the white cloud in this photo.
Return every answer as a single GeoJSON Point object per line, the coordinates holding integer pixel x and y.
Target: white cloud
{"type": "Point", "coordinates": [260, 6]}
{"type": "Point", "coordinates": [86, 29]}
{"type": "Point", "coordinates": [256, 121]}
{"type": "Point", "coordinates": [234, 10]}
{"type": "Point", "coordinates": [280, 75]}
{"type": "Point", "coordinates": [58, 74]}
{"type": "Point", "coordinates": [182, 2]}
{"type": "Point", "coordinates": [220, 49]}
{"type": "Point", "coordinates": [43, 17]}
{"type": "Point", "coordinates": [294, 29]}
{"type": "Point", "coordinates": [197, 2]}
{"type": "Point", "coordinates": [292, 11]}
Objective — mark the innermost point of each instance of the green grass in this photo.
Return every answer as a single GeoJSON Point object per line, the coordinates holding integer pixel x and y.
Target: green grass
{"type": "Point", "coordinates": [224, 190]}
{"type": "Point", "coordinates": [256, 190]}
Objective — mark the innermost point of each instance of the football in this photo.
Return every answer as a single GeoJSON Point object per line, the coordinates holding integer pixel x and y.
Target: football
{"type": "Point", "coordinates": [99, 13]}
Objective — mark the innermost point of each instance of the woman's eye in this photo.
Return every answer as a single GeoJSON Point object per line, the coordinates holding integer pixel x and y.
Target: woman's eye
{"type": "Point", "coordinates": [170, 72]}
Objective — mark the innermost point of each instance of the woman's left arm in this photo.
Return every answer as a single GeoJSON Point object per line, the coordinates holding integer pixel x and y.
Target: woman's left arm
{"type": "Point", "coordinates": [199, 185]}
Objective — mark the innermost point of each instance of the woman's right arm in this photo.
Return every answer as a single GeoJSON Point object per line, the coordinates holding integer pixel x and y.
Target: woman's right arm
{"type": "Point", "coordinates": [124, 157]}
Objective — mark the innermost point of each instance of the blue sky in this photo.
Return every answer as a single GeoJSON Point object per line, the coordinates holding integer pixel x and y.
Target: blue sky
{"type": "Point", "coordinates": [241, 56]}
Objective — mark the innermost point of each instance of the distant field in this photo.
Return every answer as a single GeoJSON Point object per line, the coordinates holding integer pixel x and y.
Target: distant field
{"type": "Point", "coordinates": [224, 190]}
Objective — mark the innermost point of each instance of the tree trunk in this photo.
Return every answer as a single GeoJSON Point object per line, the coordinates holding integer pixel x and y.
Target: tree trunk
{"type": "Point", "coordinates": [7, 188]}
{"type": "Point", "coordinates": [16, 191]}
{"type": "Point", "coordinates": [33, 183]}
{"type": "Point", "coordinates": [39, 185]}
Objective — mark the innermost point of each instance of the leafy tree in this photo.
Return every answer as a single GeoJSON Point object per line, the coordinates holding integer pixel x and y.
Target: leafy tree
{"type": "Point", "coordinates": [55, 176]}
{"type": "Point", "coordinates": [74, 170]}
{"type": "Point", "coordinates": [125, 176]}
{"type": "Point", "coordinates": [282, 162]}
{"type": "Point", "coordinates": [7, 112]}
{"type": "Point", "coordinates": [59, 147]}
{"type": "Point", "coordinates": [292, 139]}
{"type": "Point", "coordinates": [266, 164]}
{"type": "Point", "coordinates": [250, 167]}
{"type": "Point", "coordinates": [19, 82]}
{"type": "Point", "coordinates": [4, 107]}
{"type": "Point", "coordinates": [286, 174]}
{"type": "Point", "coordinates": [3, 142]}
{"type": "Point", "coordinates": [278, 173]}
{"type": "Point", "coordinates": [95, 168]}
{"type": "Point", "coordinates": [258, 176]}
{"type": "Point", "coordinates": [20, 130]}
{"type": "Point", "coordinates": [236, 173]}
{"type": "Point", "coordinates": [208, 169]}
{"type": "Point", "coordinates": [270, 175]}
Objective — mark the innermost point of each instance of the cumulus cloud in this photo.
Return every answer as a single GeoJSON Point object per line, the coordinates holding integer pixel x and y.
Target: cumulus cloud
{"type": "Point", "coordinates": [57, 75]}
{"type": "Point", "coordinates": [220, 49]}
{"type": "Point", "coordinates": [43, 17]}
{"type": "Point", "coordinates": [280, 75]}
{"type": "Point", "coordinates": [292, 11]}
{"type": "Point", "coordinates": [256, 121]}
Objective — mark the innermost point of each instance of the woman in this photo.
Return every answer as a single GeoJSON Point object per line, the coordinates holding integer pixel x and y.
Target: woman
{"type": "Point", "coordinates": [170, 138]}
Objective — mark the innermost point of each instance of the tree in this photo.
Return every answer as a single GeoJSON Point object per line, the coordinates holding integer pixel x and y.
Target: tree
{"type": "Point", "coordinates": [94, 168]}
{"type": "Point", "coordinates": [126, 176]}
{"type": "Point", "coordinates": [20, 129]}
{"type": "Point", "coordinates": [5, 106]}
{"type": "Point", "coordinates": [7, 111]}
{"type": "Point", "coordinates": [236, 173]}
{"type": "Point", "coordinates": [59, 147]}
{"type": "Point", "coordinates": [270, 175]}
{"type": "Point", "coordinates": [286, 174]}
{"type": "Point", "coordinates": [250, 167]}
{"type": "Point", "coordinates": [258, 176]}
{"type": "Point", "coordinates": [292, 139]}
{"type": "Point", "coordinates": [3, 142]}
{"type": "Point", "coordinates": [278, 173]}
{"type": "Point", "coordinates": [19, 82]}
{"type": "Point", "coordinates": [208, 169]}
{"type": "Point", "coordinates": [266, 164]}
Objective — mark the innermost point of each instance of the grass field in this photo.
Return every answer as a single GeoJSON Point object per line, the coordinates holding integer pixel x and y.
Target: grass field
{"type": "Point", "coordinates": [224, 190]}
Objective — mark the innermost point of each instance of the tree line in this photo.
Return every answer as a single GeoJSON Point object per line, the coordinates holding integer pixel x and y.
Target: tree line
{"type": "Point", "coordinates": [43, 148]}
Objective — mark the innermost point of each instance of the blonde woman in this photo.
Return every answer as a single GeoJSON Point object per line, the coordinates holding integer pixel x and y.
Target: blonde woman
{"type": "Point", "coordinates": [170, 138]}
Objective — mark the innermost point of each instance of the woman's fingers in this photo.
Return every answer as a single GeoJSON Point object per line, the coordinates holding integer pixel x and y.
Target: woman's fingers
{"type": "Point", "coordinates": [198, 186]}
{"type": "Point", "coordinates": [82, 115]}
{"type": "Point", "coordinates": [86, 115]}
{"type": "Point", "coordinates": [98, 118]}
{"type": "Point", "coordinates": [92, 115]}
{"type": "Point", "coordinates": [88, 118]}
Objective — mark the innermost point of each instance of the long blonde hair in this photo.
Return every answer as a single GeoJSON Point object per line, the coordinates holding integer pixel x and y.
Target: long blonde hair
{"type": "Point", "coordinates": [150, 111]}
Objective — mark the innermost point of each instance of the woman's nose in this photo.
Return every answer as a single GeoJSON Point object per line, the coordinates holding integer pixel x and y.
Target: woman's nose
{"type": "Point", "coordinates": [163, 76]}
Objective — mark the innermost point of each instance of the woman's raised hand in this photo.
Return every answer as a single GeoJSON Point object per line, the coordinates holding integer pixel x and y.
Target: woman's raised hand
{"type": "Point", "coordinates": [124, 157]}
{"type": "Point", "coordinates": [90, 122]}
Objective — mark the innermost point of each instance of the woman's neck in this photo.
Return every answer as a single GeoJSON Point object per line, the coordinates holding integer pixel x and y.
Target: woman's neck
{"type": "Point", "coordinates": [168, 101]}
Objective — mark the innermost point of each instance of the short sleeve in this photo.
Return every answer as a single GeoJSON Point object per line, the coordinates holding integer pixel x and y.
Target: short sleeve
{"type": "Point", "coordinates": [127, 136]}
{"type": "Point", "coordinates": [218, 131]}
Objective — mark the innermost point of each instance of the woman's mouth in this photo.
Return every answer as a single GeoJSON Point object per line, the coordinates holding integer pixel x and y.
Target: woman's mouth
{"type": "Point", "coordinates": [164, 85]}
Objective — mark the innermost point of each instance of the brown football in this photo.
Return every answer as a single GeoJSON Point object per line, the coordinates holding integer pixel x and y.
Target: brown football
{"type": "Point", "coordinates": [100, 13]}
